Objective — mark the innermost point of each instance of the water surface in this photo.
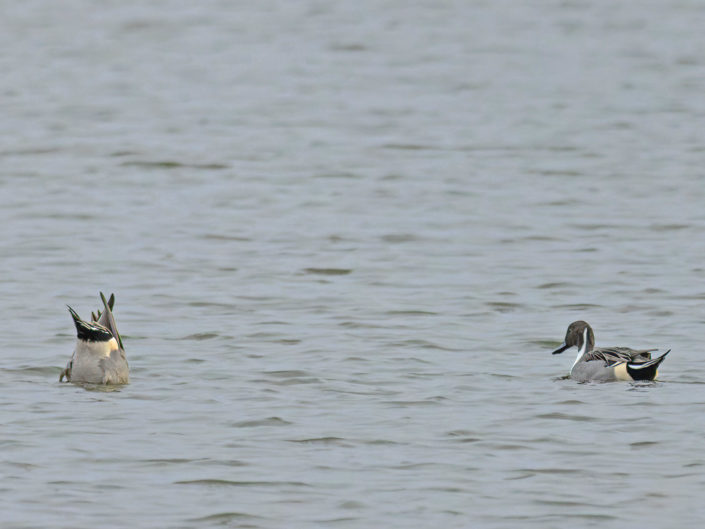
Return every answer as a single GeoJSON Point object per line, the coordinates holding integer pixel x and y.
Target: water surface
{"type": "Point", "coordinates": [343, 241]}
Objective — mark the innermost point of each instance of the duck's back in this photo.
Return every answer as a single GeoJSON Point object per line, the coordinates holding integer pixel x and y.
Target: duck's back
{"type": "Point", "coordinates": [607, 364]}
{"type": "Point", "coordinates": [613, 355]}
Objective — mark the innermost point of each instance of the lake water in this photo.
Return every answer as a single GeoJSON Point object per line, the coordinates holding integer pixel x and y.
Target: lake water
{"type": "Point", "coordinates": [343, 239]}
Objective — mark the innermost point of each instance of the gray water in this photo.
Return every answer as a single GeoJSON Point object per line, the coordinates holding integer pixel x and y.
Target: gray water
{"type": "Point", "coordinates": [344, 238]}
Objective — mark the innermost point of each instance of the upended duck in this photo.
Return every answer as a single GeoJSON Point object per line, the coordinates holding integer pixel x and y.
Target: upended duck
{"type": "Point", "coordinates": [99, 356]}
{"type": "Point", "coordinates": [606, 364]}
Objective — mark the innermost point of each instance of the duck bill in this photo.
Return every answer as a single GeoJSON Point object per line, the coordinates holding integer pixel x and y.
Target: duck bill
{"type": "Point", "coordinates": [560, 349]}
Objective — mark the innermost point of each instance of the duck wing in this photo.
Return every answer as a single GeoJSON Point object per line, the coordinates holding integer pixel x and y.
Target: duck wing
{"type": "Point", "coordinates": [616, 355]}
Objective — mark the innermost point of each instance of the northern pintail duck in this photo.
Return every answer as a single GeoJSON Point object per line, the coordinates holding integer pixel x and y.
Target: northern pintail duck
{"type": "Point", "coordinates": [605, 364]}
{"type": "Point", "coordinates": [99, 357]}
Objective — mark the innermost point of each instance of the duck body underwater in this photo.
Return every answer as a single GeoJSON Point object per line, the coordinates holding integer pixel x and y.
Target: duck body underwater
{"type": "Point", "coordinates": [99, 356]}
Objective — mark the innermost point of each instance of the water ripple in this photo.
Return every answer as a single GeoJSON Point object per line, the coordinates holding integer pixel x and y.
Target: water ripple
{"type": "Point", "coordinates": [232, 483]}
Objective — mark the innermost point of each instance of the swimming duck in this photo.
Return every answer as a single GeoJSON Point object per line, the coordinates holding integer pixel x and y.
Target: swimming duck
{"type": "Point", "coordinates": [605, 364]}
{"type": "Point", "coordinates": [99, 357]}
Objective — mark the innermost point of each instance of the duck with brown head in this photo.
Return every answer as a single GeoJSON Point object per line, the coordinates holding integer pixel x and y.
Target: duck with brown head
{"type": "Point", "coordinates": [605, 364]}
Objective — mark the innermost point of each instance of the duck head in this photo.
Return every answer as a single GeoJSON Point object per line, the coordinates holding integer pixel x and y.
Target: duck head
{"type": "Point", "coordinates": [575, 336]}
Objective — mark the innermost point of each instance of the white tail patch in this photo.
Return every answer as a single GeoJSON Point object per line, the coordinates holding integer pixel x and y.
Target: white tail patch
{"type": "Point", "coordinates": [96, 349]}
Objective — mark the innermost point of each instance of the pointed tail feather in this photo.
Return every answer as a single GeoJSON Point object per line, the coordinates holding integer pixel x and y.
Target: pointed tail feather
{"type": "Point", "coordinates": [111, 302]}
{"type": "Point", "coordinates": [107, 319]}
{"type": "Point", "coordinates": [74, 314]}
{"type": "Point", "coordinates": [646, 370]}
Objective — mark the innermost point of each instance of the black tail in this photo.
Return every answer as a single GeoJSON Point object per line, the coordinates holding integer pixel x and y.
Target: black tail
{"type": "Point", "coordinates": [646, 370]}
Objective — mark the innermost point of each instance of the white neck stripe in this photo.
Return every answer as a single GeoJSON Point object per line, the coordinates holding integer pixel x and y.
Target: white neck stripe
{"type": "Point", "coordinates": [583, 349]}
